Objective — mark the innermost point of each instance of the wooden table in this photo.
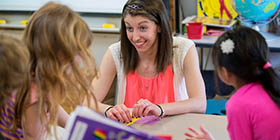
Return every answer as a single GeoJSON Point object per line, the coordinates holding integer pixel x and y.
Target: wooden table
{"type": "Point", "coordinates": [177, 125]}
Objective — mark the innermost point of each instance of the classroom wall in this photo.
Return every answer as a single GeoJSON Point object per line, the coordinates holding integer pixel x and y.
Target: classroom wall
{"type": "Point", "coordinates": [189, 7]}
{"type": "Point", "coordinates": [88, 6]}
{"type": "Point", "coordinates": [101, 41]}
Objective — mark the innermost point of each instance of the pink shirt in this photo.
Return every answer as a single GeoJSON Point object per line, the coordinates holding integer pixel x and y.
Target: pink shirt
{"type": "Point", "coordinates": [158, 89]}
{"type": "Point", "coordinates": [252, 115]}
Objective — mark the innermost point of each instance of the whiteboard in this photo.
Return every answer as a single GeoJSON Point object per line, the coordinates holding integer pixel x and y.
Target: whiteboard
{"type": "Point", "coordinates": [87, 6]}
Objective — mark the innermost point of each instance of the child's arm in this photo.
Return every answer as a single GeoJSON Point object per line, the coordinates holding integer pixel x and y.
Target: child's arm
{"type": "Point", "coordinates": [33, 128]}
{"type": "Point", "coordinates": [63, 117]}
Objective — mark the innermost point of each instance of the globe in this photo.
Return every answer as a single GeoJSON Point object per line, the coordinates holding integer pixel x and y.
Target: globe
{"type": "Point", "coordinates": [257, 10]}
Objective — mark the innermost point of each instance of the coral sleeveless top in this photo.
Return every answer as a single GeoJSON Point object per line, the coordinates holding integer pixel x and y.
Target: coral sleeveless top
{"type": "Point", "coordinates": [158, 89]}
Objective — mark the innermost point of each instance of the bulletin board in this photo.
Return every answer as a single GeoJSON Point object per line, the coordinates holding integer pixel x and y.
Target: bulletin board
{"type": "Point", "coordinates": [87, 6]}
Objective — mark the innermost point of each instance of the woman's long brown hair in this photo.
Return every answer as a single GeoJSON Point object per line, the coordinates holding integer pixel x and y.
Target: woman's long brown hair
{"type": "Point", "coordinates": [156, 12]}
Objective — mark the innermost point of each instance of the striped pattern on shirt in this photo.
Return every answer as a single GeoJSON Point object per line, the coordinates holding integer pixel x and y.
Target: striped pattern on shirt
{"type": "Point", "coordinates": [7, 117]}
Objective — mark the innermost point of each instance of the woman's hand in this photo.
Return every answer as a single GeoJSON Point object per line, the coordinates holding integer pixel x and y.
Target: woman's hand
{"type": "Point", "coordinates": [119, 113]}
{"type": "Point", "coordinates": [144, 107]}
{"type": "Point", "coordinates": [205, 135]}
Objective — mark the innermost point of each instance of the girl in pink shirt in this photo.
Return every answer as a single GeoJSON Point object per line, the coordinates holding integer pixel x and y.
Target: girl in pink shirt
{"type": "Point", "coordinates": [241, 59]}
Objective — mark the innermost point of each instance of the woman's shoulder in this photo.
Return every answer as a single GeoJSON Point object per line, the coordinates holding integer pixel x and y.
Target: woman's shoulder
{"type": "Point", "coordinates": [115, 46]}
{"type": "Point", "coordinates": [181, 41]}
{"type": "Point", "coordinates": [116, 53]}
{"type": "Point", "coordinates": [181, 45]}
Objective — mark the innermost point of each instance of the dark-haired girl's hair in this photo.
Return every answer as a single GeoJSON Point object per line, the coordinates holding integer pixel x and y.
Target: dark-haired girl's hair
{"type": "Point", "coordinates": [247, 60]}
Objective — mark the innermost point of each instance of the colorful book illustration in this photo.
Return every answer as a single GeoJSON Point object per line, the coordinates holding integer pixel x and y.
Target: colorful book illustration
{"type": "Point", "coordinates": [85, 124]}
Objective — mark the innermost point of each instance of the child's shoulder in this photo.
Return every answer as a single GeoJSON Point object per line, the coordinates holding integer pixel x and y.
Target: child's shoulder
{"type": "Point", "coordinates": [248, 97]}
{"type": "Point", "coordinates": [7, 110]}
{"type": "Point", "coordinates": [33, 94]}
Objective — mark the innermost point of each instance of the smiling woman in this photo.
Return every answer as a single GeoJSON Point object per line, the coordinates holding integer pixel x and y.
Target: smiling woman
{"type": "Point", "coordinates": [159, 72]}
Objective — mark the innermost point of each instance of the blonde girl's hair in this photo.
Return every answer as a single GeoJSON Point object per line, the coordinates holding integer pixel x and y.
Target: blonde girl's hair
{"type": "Point", "coordinates": [14, 66]}
{"type": "Point", "coordinates": [62, 65]}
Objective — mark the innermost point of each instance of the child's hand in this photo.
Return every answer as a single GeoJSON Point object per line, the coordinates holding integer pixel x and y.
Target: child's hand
{"type": "Point", "coordinates": [205, 135]}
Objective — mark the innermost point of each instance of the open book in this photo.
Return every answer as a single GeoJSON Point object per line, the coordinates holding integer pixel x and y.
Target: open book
{"type": "Point", "coordinates": [85, 124]}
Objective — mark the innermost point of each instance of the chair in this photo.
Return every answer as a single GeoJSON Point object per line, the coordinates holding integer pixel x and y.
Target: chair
{"type": "Point", "coordinates": [216, 106]}
{"type": "Point", "coordinates": [211, 87]}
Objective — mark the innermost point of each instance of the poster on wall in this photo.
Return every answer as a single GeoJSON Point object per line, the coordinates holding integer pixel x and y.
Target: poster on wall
{"type": "Point", "coordinates": [222, 9]}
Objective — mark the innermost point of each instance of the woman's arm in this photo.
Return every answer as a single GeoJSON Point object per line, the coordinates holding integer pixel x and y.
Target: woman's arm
{"type": "Point", "coordinates": [101, 86]}
{"type": "Point", "coordinates": [194, 85]}
{"type": "Point", "coordinates": [106, 74]}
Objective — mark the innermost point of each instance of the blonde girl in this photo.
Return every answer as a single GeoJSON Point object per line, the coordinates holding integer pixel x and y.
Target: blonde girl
{"type": "Point", "coordinates": [62, 69]}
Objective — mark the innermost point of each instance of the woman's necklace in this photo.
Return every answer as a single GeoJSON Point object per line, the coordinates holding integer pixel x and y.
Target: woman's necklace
{"type": "Point", "coordinates": [146, 85]}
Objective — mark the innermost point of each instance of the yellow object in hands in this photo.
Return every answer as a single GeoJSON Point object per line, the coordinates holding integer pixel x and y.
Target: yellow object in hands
{"type": "Point", "coordinates": [3, 21]}
{"type": "Point", "coordinates": [24, 22]}
{"type": "Point", "coordinates": [109, 26]}
{"type": "Point", "coordinates": [132, 121]}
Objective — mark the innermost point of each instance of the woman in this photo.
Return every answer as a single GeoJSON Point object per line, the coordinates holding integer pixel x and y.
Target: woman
{"type": "Point", "coordinates": [157, 74]}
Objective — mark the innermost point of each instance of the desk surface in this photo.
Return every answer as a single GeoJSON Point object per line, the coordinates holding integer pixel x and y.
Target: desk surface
{"type": "Point", "coordinates": [177, 125]}
{"type": "Point", "coordinates": [271, 39]}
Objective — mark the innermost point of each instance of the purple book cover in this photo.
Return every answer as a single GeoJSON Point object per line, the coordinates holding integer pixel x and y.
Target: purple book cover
{"type": "Point", "coordinates": [93, 126]}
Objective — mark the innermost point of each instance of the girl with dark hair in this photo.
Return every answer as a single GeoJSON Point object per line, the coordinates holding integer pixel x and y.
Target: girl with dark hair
{"type": "Point", "coordinates": [157, 74]}
{"type": "Point", "coordinates": [241, 59]}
